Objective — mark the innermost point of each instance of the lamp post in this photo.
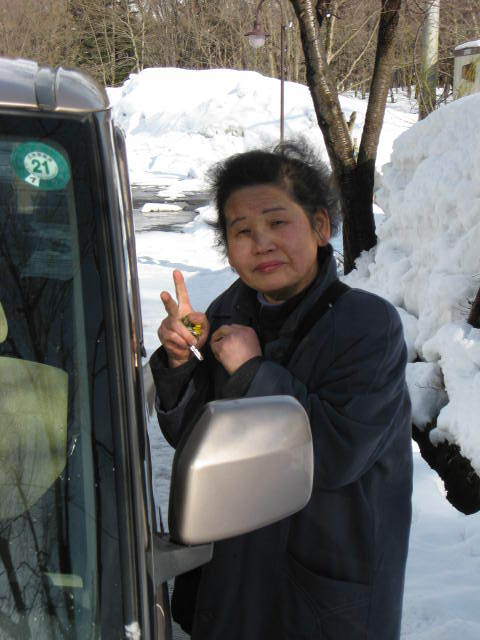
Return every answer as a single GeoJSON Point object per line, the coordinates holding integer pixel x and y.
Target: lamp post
{"type": "Point", "coordinates": [256, 38]}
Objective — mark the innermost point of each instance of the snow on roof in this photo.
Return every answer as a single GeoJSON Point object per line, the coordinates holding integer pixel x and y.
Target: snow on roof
{"type": "Point", "coordinates": [468, 45]}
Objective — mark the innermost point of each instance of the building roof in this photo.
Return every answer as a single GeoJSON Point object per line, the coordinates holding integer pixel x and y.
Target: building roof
{"type": "Point", "coordinates": [467, 48]}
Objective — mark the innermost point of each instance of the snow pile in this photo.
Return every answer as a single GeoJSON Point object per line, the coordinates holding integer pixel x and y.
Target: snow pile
{"type": "Point", "coordinates": [427, 263]}
{"type": "Point", "coordinates": [155, 207]}
{"type": "Point", "coordinates": [178, 121]}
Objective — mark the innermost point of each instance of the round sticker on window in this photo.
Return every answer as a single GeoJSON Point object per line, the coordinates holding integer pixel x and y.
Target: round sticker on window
{"type": "Point", "coordinates": [40, 165]}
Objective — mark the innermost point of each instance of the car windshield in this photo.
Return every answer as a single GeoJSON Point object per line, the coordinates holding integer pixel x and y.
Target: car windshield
{"type": "Point", "coordinates": [51, 366]}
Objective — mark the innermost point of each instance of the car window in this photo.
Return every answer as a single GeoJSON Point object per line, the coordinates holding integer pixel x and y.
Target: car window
{"type": "Point", "coordinates": [54, 462]}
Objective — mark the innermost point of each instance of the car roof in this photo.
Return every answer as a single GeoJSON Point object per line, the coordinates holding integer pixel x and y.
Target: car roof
{"type": "Point", "coordinates": [25, 84]}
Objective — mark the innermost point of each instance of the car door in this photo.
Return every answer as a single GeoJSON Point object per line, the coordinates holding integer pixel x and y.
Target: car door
{"type": "Point", "coordinates": [75, 527]}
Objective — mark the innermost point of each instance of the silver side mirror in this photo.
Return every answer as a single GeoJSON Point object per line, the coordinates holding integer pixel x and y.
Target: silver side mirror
{"type": "Point", "coordinates": [247, 463]}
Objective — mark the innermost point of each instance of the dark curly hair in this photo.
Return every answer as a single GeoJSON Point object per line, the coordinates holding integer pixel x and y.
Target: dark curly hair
{"type": "Point", "coordinates": [293, 166]}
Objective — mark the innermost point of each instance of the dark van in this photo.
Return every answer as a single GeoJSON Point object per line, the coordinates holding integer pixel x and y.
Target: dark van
{"type": "Point", "coordinates": [83, 553]}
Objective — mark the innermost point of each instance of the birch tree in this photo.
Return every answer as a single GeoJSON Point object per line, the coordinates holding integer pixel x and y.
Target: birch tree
{"type": "Point", "coordinates": [428, 80]}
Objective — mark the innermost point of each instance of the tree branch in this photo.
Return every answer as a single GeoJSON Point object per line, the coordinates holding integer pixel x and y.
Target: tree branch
{"type": "Point", "coordinates": [354, 35]}
{"type": "Point", "coordinates": [360, 55]}
{"type": "Point", "coordinates": [329, 37]}
{"type": "Point", "coordinates": [380, 80]}
{"type": "Point", "coordinates": [323, 89]}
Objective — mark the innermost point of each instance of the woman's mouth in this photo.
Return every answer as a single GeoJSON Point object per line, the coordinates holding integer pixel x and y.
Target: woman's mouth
{"type": "Point", "coordinates": [268, 267]}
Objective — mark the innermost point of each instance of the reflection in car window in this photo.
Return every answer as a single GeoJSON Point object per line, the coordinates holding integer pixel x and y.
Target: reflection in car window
{"type": "Point", "coordinates": [49, 517]}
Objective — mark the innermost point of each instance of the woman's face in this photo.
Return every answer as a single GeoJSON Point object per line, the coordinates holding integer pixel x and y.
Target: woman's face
{"type": "Point", "coordinates": [270, 241]}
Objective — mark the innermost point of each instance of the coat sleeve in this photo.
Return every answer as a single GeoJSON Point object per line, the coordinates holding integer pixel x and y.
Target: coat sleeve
{"type": "Point", "coordinates": [356, 408]}
{"type": "Point", "coordinates": [177, 391]}
{"type": "Point", "coordinates": [181, 392]}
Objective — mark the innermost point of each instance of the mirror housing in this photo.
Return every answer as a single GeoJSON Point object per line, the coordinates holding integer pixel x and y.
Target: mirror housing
{"type": "Point", "coordinates": [247, 463]}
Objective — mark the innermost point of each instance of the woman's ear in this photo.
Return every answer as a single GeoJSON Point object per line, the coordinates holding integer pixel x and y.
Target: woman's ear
{"type": "Point", "coordinates": [321, 227]}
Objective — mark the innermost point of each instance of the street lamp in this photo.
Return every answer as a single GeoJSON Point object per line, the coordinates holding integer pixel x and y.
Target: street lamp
{"type": "Point", "coordinates": [256, 38]}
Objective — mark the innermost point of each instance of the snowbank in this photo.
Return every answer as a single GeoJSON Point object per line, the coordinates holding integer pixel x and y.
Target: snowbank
{"type": "Point", "coordinates": [427, 262]}
{"type": "Point", "coordinates": [179, 121]}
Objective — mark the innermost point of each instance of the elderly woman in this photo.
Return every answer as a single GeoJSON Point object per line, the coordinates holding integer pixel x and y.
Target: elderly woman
{"type": "Point", "coordinates": [287, 326]}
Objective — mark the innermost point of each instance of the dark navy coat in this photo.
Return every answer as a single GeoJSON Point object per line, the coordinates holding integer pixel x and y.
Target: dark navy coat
{"type": "Point", "coordinates": [335, 570]}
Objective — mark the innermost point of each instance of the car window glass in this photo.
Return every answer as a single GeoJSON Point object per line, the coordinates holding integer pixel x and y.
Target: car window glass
{"type": "Point", "coordinates": [49, 578]}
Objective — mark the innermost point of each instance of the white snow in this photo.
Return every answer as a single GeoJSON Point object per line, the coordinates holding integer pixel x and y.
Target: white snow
{"type": "Point", "coordinates": [426, 262]}
{"type": "Point", "coordinates": [443, 568]}
{"type": "Point", "coordinates": [151, 207]}
{"type": "Point", "coordinates": [426, 387]}
{"type": "Point", "coordinates": [178, 121]}
{"type": "Point", "coordinates": [467, 45]}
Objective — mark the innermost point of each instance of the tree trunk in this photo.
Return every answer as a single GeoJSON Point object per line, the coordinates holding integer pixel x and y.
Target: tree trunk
{"type": "Point", "coordinates": [323, 90]}
{"type": "Point", "coordinates": [354, 178]}
{"type": "Point", "coordinates": [359, 226]}
{"type": "Point", "coordinates": [329, 38]}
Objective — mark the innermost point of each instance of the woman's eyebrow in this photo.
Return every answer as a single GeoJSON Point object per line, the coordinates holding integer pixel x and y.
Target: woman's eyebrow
{"type": "Point", "coordinates": [270, 209]}
{"type": "Point", "coordinates": [233, 222]}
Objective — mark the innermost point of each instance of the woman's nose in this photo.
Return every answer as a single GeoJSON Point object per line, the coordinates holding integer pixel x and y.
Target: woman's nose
{"type": "Point", "coordinates": [262, 242]}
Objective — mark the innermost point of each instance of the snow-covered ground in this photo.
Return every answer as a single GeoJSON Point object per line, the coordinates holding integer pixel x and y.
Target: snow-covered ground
{"type": "Point", "coordinates": [427, 263]}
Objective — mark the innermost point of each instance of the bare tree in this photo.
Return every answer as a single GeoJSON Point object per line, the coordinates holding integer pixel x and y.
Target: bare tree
{"type": "Point", "coordinates": [43, 31]}
{"type": "Point", "coordinates": [112, 38]}
{"type": "Point", "coordinates": [354, 176]}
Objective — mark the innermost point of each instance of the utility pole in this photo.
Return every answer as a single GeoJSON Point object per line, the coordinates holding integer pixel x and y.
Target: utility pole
{"type": "Point", "coordinates": [429, 70]}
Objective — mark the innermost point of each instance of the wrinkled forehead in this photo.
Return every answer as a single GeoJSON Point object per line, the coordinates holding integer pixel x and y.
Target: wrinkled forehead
{"type": "Point", "coordinates": [257, 199]}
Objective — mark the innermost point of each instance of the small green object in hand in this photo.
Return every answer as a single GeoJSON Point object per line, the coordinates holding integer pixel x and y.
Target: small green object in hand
{"type": "Point", "coordinates": [196, 329]}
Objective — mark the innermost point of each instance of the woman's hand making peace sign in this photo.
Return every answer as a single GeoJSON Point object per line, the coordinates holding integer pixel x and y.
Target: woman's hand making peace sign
{"type": "Point", "coordinates": [173, 334]}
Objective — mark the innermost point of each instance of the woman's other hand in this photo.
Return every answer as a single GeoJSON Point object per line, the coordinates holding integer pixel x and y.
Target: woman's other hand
{"type": "Point", "coordinates": [234, 344]}
{"type": "Point", "coordinates": [173, 334]}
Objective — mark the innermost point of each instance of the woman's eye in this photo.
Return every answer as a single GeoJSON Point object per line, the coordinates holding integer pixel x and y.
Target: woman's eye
{"type": "Point", "coordinates": [276, 223]}
{"type": "Point", "coordinates": [243, 232]}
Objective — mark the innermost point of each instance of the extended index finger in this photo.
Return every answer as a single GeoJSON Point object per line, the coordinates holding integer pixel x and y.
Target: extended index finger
{"type": "Point", "coordinates": [180, 288]}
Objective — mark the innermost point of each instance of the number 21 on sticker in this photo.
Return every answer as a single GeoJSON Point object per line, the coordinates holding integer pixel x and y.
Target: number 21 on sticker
{"type": "Point", "coordinates": [41, 165]}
